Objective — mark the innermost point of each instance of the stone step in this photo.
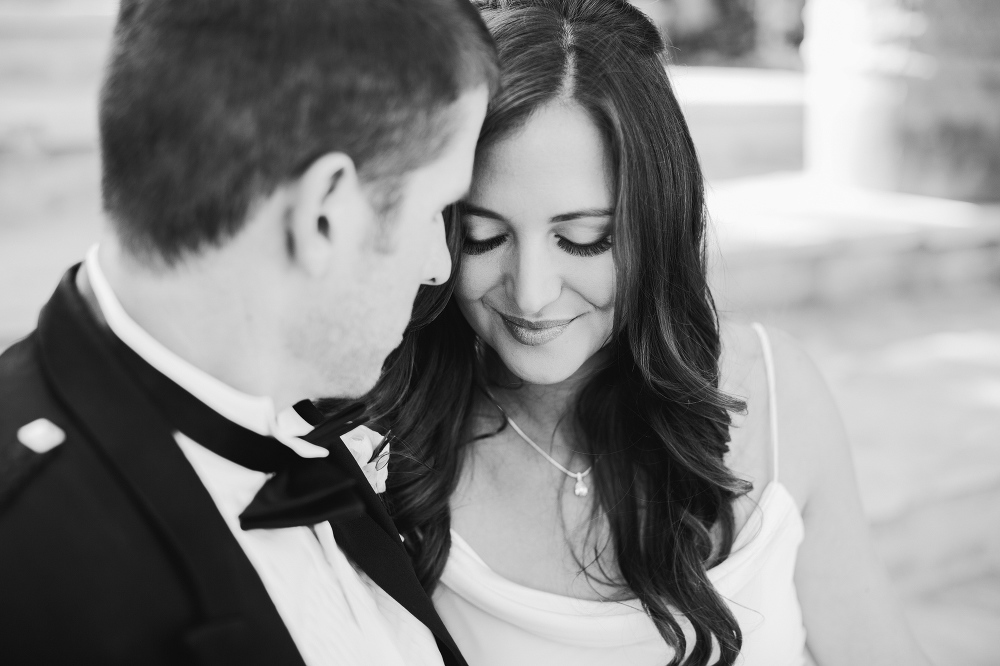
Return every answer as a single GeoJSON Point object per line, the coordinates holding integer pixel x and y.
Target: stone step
{"type": "Point", "coordinates": [743, 121]}
{"type": "Point", "coordinates": [788, 239]}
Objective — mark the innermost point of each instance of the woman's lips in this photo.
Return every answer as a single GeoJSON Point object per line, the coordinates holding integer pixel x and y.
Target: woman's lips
{"type": "Point", "coordinates": [534, 333]}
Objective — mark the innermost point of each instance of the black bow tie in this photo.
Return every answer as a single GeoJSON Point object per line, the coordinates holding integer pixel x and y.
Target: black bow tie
{"type": "Point", "coordinates": [307, 491]}
{"type": "Point", "coordinates": [302, 491]}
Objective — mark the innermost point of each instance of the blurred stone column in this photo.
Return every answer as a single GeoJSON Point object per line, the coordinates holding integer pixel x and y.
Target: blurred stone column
{"type": "Point", "coordinates": [904, 95]}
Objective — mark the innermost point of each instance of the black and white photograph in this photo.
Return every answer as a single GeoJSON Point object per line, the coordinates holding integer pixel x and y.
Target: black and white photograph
{"type": "Point", "coordinates": [500, 332]}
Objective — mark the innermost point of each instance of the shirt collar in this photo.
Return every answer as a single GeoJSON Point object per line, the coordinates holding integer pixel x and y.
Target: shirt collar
{"type": "Point", "coordinates": [255, 413]}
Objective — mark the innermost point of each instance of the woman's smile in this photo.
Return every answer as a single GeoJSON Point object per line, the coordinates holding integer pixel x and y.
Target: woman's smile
{"type": "Point", "coordinates": [534, 333]}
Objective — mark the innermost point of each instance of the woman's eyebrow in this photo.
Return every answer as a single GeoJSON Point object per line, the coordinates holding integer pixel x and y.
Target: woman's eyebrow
{"type": "Point", "coordinates": [587, 212]}
{"type": "Point", "coordinates": [471, 209]}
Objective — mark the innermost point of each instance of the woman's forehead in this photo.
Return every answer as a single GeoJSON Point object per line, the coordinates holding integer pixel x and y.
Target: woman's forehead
{"type": "Point", "coordinates": [556, 160]}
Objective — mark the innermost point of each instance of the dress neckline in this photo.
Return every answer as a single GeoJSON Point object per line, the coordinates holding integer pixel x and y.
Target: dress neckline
{"type": "Point", "coordinates": [774, 510]}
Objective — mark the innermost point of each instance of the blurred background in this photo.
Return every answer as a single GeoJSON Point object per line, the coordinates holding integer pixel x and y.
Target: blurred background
{"type": "Point", "coordinates": [852, 149]}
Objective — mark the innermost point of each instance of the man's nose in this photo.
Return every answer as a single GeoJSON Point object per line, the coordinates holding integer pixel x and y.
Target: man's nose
{"type": "Point", "coordinates": [437, 268]}
{"type": "Point", "coordinates": [534, 281]}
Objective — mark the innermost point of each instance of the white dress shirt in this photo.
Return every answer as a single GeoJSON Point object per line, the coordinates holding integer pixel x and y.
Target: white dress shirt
{"type": "Point", "coordinates": [333, 611]}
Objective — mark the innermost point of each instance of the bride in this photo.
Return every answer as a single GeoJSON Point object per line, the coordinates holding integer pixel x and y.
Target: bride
{"type": "Point", "coordinates": [593, 471]}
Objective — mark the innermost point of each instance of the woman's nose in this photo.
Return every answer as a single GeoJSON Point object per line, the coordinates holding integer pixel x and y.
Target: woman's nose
{"type": "Point", "coordinates": [437, 268]}
{"type": "Point", "coordinates": [534, 281]}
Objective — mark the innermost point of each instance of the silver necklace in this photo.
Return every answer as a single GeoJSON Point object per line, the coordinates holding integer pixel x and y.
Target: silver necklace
{"type": "Point", "coordinates": [580, 489]}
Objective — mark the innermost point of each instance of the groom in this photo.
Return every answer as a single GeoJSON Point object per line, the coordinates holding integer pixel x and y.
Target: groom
{"type": "Point", "coordinates": [273, 176]}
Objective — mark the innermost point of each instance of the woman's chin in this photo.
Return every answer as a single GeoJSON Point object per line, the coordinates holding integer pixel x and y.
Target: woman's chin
{"type": "Point", "coordinates": [539, 368]}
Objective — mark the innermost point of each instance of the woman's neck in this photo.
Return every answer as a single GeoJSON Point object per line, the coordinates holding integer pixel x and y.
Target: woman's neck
{"type": "Point", "coordinates": [542, 408]}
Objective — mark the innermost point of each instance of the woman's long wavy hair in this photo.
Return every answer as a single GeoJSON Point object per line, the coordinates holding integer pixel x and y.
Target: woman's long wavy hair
{"type": "Point", "coordinates": [654, 413]}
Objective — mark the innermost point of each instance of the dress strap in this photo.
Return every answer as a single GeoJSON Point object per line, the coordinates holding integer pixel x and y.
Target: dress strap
{"type": "Point", "coordinates": [772, 395]}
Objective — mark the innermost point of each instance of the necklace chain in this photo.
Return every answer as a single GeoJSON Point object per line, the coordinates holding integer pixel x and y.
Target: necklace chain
{"type": "Point", "coordinates": [581, 488]}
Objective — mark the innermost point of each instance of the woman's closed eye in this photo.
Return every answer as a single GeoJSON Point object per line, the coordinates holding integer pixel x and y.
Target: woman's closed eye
{"type": "Point", "coordinates": [600, 246]}
{"type": "Point", "coordinates": [473, 246]}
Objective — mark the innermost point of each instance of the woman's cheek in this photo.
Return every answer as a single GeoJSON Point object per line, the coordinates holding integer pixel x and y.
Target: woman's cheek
{"type": "Point", "coordinates": [596, 282]}
{"type": "Point", "coordinates": [474, 279]}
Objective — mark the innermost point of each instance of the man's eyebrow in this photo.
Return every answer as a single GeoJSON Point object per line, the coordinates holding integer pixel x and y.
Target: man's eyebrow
{"type": "Point", "coordinates": [471, 209]}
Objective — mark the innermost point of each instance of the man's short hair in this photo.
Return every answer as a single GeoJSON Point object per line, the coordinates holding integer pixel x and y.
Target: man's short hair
{"type": "Point", "coordinates": [209, 105]}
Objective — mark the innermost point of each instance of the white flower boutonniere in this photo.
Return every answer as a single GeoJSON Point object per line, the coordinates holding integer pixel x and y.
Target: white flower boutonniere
{"type": "Point", "coordinates": [362, 443]}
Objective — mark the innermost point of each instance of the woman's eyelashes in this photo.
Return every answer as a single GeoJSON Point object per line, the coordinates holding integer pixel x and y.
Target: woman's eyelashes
{"type": "Point", "coordinates": [470, 246]}
{"type": "Point", "coordinates": [600, 246]}
{"type": "Point", "coordinates": [586, 250]}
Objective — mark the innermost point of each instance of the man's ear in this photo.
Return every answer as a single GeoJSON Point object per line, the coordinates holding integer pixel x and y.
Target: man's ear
{"type": "Point", "coordinates": [329, 213]}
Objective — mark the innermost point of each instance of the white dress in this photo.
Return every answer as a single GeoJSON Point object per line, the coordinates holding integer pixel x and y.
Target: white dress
{"type": "Point", "coordinates": [497, 622]}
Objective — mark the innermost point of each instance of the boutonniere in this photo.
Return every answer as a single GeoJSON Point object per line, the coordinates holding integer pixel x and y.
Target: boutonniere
{"type": "Point", "coordinates": [373, 459]}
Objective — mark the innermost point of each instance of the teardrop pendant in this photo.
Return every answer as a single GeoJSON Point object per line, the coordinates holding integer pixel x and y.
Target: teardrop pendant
{"type": "Point", "coordinates": [580, 489]}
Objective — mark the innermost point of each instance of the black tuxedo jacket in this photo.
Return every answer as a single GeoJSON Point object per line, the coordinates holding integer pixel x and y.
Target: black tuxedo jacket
{"type": "Point", "coordinates": [111, 549]}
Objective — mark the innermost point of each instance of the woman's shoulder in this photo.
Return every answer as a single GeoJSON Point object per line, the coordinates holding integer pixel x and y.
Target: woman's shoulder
{"type": "Point", "coordinates": [742, 361]}
{"type": "Point", "coordinates": [742, 375]}
{"type": "Point", "coordinates": [806, 423]}
{"type": "Point", "coordinates": [747, 352]}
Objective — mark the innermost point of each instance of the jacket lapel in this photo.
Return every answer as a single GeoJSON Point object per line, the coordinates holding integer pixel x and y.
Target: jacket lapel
{"type": "Point", "coordinates": [373, 542]}
{"type": "Point", "coordinates": [240, 624]}
{"type": "Point", "coordinates": [387, 563]}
